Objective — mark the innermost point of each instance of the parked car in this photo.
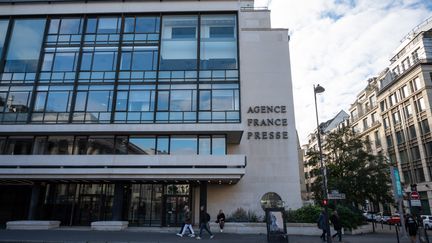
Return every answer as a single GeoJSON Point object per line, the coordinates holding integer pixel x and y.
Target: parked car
{"type": "Point", "coordinates": [380, 218]}
{"type": "Point", "coordinates": [394, 219]}
{"type": "Point", "coordinates": [427, 221]}
{"type": "Point", "coordinates": [369, 216]}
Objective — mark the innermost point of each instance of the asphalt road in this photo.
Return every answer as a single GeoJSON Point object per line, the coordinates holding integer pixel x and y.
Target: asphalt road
{"type": "Point", "coordinates": [87, 236]}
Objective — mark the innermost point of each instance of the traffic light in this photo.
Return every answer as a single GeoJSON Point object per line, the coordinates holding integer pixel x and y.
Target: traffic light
{"type": "Point", "coordinates": [325, 202]}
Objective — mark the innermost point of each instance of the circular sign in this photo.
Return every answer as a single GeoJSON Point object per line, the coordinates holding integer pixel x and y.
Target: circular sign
{"type": "Point", "coordinates": [415, 195]}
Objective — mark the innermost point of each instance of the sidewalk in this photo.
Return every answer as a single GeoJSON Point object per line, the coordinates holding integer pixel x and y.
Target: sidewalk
{"type": "Point", "coordinates": [87, 236]}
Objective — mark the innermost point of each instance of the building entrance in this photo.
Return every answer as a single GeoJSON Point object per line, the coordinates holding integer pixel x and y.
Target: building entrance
{"type": "Point", "coordinates": [174, 206]}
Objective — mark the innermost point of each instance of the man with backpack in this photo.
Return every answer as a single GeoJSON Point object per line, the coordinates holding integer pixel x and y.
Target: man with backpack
{"type": "Point", "coordinates": [204, 225]}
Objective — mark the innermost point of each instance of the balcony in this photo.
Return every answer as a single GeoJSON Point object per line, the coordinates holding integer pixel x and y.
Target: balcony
{"type": "Point", "coordinates": [228, 168]}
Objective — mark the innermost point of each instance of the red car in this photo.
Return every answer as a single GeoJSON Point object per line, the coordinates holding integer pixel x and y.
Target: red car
{"type": "Point", "coordinates": [394, 219]}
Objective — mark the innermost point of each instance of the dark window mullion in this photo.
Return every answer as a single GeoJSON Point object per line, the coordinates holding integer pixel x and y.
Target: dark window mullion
{"type": "Point", "coordinates": [6, 44]}
{"type": "Point", "coordinates": [78, 70]}
{"type": "Point", "coordinates": [119, 53]}
{"type": "Point", "coordinates": [157, 71]}
{"type": "Point", "coordinates": [198, 64]}
{"type": "Point", "coordinates": [38, 70]}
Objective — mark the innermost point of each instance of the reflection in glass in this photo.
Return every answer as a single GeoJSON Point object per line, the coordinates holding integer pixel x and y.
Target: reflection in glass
{"type": "Point", "coordinates": [218, 145]}
{"type": "Point", "coordinates": [182, 100]}
{"type": "Point", "coordinates": [3, 30]}
{"type": "Point", "coordinates": [179, 43]}
{"type": "Point", "coordinates": [218, 48]}
{"type": "Point", "coordinates": [100, 145]}
{"type": "Point", "coordinates": [40, 145]}
{"type": "Point", "coordinates": [183, 145]}
{"type": "Point", "coordinates": [99, 101]}
{"type": "Point", "coordinates": [204, 145]}
{"type": "Point", "coordinates": [19, 145]}
{"type": "Point", "coordinates": [142, 145]}
{"type": "Point", "coordinates": [23, 55]}
{"type": "Point", "coordinates": [163, 145]}
{"type": "Point", "coordinates": [80, 145]}
{"type": "Point", "coordinates": [60, 145]}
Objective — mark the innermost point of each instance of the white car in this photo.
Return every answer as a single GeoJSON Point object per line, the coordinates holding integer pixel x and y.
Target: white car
{"type": "Point", "coordinates": [427, 221]}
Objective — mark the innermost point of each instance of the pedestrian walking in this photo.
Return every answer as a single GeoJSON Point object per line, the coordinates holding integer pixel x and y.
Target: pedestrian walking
{"type": "Point", "coordinates": [412, 226]}
{"type": "Point", "coordinates": [204, 219]}
{"type": "Point", "coordinates": [187, 223]}
{"type": "Point", "coordinates": [335, 220]}
{"type": "Point", "coordinates": [180, 233]}
{"type": "Point", "coordinates": [322, 224]}
{"type": "Point", "coordinates": [221, 220]}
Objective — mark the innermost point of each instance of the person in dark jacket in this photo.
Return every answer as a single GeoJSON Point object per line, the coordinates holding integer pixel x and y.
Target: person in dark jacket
{"type": "Point", "coordinates": [335, 220]}
{"type": "Point", "coordinates": [204, 219]}
{"type": "Point", "coordinates": [322, 224]}
{"type": "Point", "coordinates": [412, 226]}
{"type": "Point", "coordinates": [221, 220]}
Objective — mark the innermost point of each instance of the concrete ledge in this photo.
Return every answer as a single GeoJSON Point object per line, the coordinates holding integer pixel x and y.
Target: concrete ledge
{"type": "Point", "coordinates": [109, 225]}
{"type": "Point", "coordinates": [32, 224]}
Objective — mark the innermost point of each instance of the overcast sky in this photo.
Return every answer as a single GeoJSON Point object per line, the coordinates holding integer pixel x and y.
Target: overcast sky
{"type": "Point", "coordinates": [340, 44]}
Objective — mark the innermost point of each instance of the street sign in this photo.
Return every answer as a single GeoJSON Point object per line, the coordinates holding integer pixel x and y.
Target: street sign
{"type": "Point", "coordinates": [415, 196]}
{"type": "Point", "coordinates": [415, 203]}
{"type": "Point", "coordinates": [336, 196]}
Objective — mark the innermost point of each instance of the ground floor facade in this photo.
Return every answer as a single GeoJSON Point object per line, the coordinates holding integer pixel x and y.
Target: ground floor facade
{"type": "Point", "coordinates": [79, 204]}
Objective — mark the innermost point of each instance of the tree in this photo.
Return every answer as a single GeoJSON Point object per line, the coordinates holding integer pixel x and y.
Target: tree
{"type": "Point", "coordinates": [351, 169]}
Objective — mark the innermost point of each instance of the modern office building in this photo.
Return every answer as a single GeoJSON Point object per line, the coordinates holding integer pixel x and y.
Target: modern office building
{"type": "Point", "coordinates": [129, 110]}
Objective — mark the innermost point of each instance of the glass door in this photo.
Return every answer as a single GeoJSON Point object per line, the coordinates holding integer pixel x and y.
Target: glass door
{"type": "Point", "coordinates": [174, 206]}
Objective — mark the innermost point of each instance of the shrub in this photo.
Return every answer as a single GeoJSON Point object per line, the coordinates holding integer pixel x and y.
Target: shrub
{"type": "Point", "coordinates": [305, 214]}
{"type": "Point", "coordinates": [240, 215]}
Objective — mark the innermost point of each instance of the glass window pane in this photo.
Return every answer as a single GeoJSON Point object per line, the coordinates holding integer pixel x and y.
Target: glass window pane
{"type": "Point", "coordinates": [222, 100]}
{"type": "Point", "coordinates": [139, 101]}
{"type": "Point", "coordinates": [129, 24]}
{"type": "Point", "coordinates": [60, 145]}
{"type": "Point", "coordinates": [163, 100]}
{"type": "Point", "coordinates": [183, 145]}
{"type": "Point", "coordinates": [70, 26]}
{"type": "Point", "coordinates": [126, 59]}
{"type": "Point", "coordinates": [47, 62]}
{"type": "Point", "coordinates": [142, 145]}
{"type": "Point", "coordinates": [99, 101]}
{"type": "Point", "coordinates": [204, 145]}
{"type": "Point", "coordinates": [163, 145]}
{"type": "Point", "coordinates": [23, 55]}
{"type": "Point", "coordinates": [40, 145]}
{"type": "Point", "coordinates": [40, 101]}
{"type": "Point", "coordinates": [19, 145]}
{"type": "Point", "coordinates": [146, 24]}
{"type": "Point", "coordinates": [204, 100]}
{"type": "Point", "coordinates": [80, 145]}
{"type": "Point", "coordinates": [80, 102]}
{"type": "Point", "coordinates": [104, 61]}
{"type": "Point", "coordinates": [3, 30]}
{"type": "Point", "coordinates": [100, 145]}
{"type": "Point", "coordinates": [179, 43]}
{"type": "Point", "coordinates": [86, 61]}
{"type": "Point", "coordinates": [57, 102]}
{"type": "Point", "coordinates": [64, 62]}
{"type": "Point", "coordinates": [218, 42]}
{"type": "Point", "coordinates": [181, 100]}
{"type": "Point", "coordinates": [218, 145]}
{"type": "Point", "coordinates": [2, 101]}
{"type": "Point", "coordinates": [19, 101]}
{"type": "Point", "coordinates": [107, 25]}
{"type": "Point", "coordinates": [121, 145]}
{"type": "Point", "coordinates": [121, 101]}
{"type": "Point", "coordinates": [142, 61]}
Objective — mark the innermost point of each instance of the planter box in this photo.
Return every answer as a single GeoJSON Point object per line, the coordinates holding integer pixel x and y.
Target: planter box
{"type": "Point", "coordinates": [109, 225]}
{"type": "Point", "coordinates": [32, 224]}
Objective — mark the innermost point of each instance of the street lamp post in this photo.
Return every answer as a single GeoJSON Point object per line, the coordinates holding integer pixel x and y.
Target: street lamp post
{"type": "Point", "coordinates": [319, 89]}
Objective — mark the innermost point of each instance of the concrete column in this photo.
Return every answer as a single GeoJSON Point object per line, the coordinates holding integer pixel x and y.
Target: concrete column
{"type": "Point", "coordinates": [34, 201]}
{"type": "Point", "coordinates": [117, 209]}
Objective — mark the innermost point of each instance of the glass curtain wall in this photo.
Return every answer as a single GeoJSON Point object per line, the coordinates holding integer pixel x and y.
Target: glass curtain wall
{"type": "Point", "coordinates": [120, 69]}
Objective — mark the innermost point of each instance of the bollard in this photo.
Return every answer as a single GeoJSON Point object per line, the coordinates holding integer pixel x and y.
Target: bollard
{"type": "Point", "coordinates": [397, 233]}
